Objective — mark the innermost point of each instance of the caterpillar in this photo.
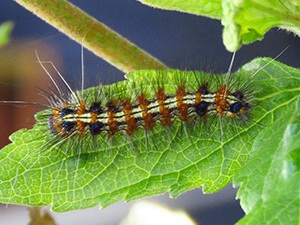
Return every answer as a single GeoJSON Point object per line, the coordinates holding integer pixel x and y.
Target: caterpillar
{"type": "Point", "coordinates": [107, 113]}
{"type": "Point", "coordinates": [127, 116]}
{"type": "Point", "coordinates": [174, 119]}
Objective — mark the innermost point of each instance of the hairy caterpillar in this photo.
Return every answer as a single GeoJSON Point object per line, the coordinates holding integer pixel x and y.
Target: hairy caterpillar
{"type": "Point", "coordinates": [127, 116]}
{"type": "Point", "coordinates": [72, 161]}
{"type": "Point", "coordinates": [160, 100]}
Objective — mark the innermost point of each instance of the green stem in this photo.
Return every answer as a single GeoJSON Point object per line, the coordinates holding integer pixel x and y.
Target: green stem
{"type": "Point", "coordinates": [92, 34]}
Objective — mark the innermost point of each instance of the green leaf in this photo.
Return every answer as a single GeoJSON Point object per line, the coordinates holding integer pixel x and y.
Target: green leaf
{"type": "Point", "coordinates": [35, 170]}
{"type": "Point", "coordinates": [5, 30]}
{"type": "Point", "coordinates": [246, 21]}
{"type": "Point", "coordinates": [270, 182]}
{"type": "Point", "coordinates": [211, 8]}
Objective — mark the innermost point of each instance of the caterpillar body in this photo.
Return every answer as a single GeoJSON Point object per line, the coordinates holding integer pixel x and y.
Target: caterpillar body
{"type": "Point", "coordinates": [131, 113]}
{"type": "Point", "coordinates": [124, 116]}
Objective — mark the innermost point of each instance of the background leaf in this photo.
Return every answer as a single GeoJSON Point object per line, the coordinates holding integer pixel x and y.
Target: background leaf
{"type": "Point", "coordinates": [5, 30]}
{"type": "Point", "coordinates": [244, 21]}
{"type": "Point", "coordinates": [247, 21]}
{"type": "Point", "coordinates": [174, 161]}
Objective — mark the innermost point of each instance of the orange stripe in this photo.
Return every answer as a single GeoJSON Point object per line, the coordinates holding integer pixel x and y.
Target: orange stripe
{"type": "Point", "coordinates": [93, 117]}
{"type": "Point", "coordinates": [166, 118]}
{"type": "Point", "coordinates": [198, 97]}
{"type": "Point", "coordinates": [182, 107]}
{"type": "Point", "coordinates": [56, 123]}
{"type": "Point", "coordinates": [221, 101]}
{"type": "Point", "coordinates": [80, 124]}
{"type": "Point", "coordinates": [112, 123]}
{"type": "Point", "coordinates": [148, 118]}
{"type": "Point", "coordinates": [130, 121]}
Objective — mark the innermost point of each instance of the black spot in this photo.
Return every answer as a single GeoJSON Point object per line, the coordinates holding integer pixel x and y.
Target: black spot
{"type": "Point", "coordinates": [111, 106]}
{"type": "Point", "coordinates": [68, 126]}
{"type": "Point", "coordinates": [96, 128]}
{"type": "Point", "coordinates": [203, 90]}
{"type": "Point", "coordinates": [66, 111]}
{"type": "Point", "coordinates": [235, 107]}
{"type": "Point", "coordinates": [201, 108]}
{"type": "Point", "coordinates": [96, 108]}
{"type": "Point", "coordinates": [238, 94]}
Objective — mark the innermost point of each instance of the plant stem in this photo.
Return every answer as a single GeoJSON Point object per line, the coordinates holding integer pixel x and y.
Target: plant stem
{"type": "Point", "coordinates": [39, 216]}
{"type": "Point", "coordinates": [92, 34]}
